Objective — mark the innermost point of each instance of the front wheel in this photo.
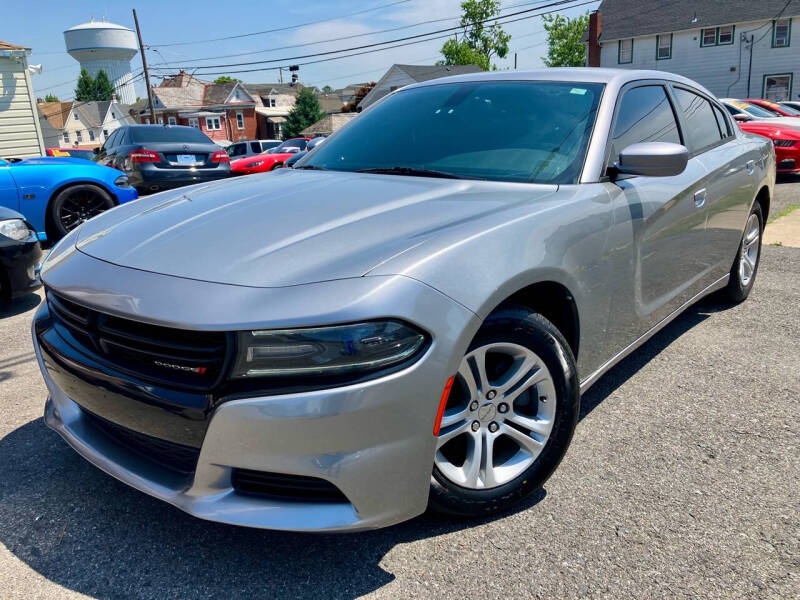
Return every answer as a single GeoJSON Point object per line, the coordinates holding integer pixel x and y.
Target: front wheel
{"type": "Point", "coordinates": [76, 205]}
{"type": "Point", "coordinates": [510, 416]}
{"type": "Point", "coordinates": [745, 266]}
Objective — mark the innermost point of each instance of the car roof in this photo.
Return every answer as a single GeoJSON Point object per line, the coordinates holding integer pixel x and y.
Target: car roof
{"type": "Point", "coordinates": [618, 77]}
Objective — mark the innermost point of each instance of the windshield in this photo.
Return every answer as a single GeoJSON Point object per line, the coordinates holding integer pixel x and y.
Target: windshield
{"type": "Point", "coordinates": [522, 131]}
{"type": "Point", "coordinates": [168, 134]}
{"type": "Point", "coordinates": [87, 154]}
{"type": "Point", "coordinates": [785, 108]}
{"type": "Point", "coordinates": [754, 110]}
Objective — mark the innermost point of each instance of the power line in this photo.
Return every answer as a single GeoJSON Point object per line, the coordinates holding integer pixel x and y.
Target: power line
{"type": "Point", "coordinates": [287, 28]}
{"type": "Point", "coordinates": [347, 37]}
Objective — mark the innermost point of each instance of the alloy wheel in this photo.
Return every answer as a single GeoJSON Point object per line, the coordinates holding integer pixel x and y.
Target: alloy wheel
{"type": "Point", "coordinates": [498, 418]}
{"type": "Point", "coordinates": [748, 257]}
{"type": "Point", "coordinates": [79, 207]}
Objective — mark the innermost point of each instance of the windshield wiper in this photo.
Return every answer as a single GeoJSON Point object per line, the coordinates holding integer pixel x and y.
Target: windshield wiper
{"type": "Point", "coordinates": [414, 172]}
{"type": "Point", "coordinates": [312, 168]}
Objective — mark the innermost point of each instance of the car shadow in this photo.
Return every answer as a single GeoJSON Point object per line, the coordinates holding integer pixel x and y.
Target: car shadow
{"type": "Point", "coordinates": [19, 305]}
{"type": "Point", "coordinates": [85, 531]}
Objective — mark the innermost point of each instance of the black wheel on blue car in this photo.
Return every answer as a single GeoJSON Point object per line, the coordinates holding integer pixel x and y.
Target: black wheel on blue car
{"type": "Point", "coordinates": [76, 205]}
{"type": "Point", "coordinates": [745, 265]}
{"type": "Point", "coordinates": [512, 410]}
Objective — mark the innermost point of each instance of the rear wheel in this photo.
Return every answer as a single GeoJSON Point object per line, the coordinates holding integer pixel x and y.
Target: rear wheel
{"type": "Point", "coordinates": [510, 417]}
{"type": "Point", "coordinates": [745, 266]}
{"type": "Point", "coordinates": [76, 205]}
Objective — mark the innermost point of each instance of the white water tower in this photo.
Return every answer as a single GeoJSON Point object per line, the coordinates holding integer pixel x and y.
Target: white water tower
{"type": "Point", "coordinates": [107, 46]}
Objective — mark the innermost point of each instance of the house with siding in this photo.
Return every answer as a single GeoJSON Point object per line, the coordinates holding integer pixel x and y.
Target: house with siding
{"type": "Point", "coordinates": [401, 75]}
{"type": "Point", "coordinates": [735, 48]}
{"type": "Point", "coordinates": [90, 123]}
{"type": "Point", "coordinates": [20, 132]}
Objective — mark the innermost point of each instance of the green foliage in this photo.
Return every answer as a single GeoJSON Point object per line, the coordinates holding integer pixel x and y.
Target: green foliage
{"type": "Point", "coordinates": [226, 79]}
{"type": "Point", "coordinates": [51, 98]}
{"type": "Point", "coordinates": [93, 88]}
{"type": "Point", "coordinates": [327, 89]}
{"type": "Point", "coordinates": [103, 88]}
{"type": "Point", "coordinates": [479, 41]}
{"type": "Point", "coordinates": [84, 90]}
{"type": "Point", "coordinates": [306, 111]}
{"type": "Point", "coordinates": [564, 46]}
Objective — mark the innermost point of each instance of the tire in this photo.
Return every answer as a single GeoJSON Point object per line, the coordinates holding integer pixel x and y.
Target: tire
{"type": "Point", "coordinates": [739, 285]}
{"type": "Point", "coordinates": [276, 166]}
{"type": "Point", "coordinates": [541, 359]}
{"type": "Point", "coordinates": [75, 205]}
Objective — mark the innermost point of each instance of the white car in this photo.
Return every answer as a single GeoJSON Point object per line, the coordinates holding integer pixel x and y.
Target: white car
{"type": "Point", "coordinates": [745, 111]}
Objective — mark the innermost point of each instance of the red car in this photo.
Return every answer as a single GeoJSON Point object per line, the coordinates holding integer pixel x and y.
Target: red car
{"type": "Point", "coordinates": [72, 152]}
{"type": "Point", "coordinates": [269, 160]}
{"type": "Point", "coordinates": [783, 111]}
{"type": "Point", "coordinates": [786, 142]}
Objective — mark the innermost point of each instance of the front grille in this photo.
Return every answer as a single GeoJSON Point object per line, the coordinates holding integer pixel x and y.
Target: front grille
{"type": "Point", "coordinates": [176, 457]}
{"type": "Point", "coordinates": [281, 486]}
{"type": "Point", "coordinates": [176, 358]}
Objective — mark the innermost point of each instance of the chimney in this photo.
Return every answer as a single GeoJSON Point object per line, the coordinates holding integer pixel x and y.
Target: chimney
{"type": "Point", "coordinates": [595, 29]}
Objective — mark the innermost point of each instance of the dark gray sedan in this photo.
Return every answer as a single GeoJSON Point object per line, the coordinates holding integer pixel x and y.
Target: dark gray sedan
{"type": "Point", "coordinates": [409, 316]}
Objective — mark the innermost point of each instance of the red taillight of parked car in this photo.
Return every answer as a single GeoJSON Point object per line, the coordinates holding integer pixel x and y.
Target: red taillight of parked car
{"type": "Point", "coordinates": [220, 156]}
{"type": "Point", "coordinates": [144, 156]}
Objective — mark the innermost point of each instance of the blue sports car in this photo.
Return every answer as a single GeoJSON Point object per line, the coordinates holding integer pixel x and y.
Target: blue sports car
{"type": "Point", "coordinates": [57, 194]}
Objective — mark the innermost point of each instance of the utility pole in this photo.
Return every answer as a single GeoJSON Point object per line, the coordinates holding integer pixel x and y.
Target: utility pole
{"type": "Point", "coordinates": [280, 74]}
{"type": "Point", "coordinates": [144, 66]}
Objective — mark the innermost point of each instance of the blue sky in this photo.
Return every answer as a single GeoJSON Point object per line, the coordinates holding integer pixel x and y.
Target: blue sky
{"type": "Point", "coordinates": [169, 22]}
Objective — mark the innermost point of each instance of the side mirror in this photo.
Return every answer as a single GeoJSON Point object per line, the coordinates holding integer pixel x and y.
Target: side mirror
{"type": "Point", "coordinates": [653, 159]}
{"type": "Point", "coordinates": [96, 150]}
{"type": "Point", "coordinates": [742, 118]}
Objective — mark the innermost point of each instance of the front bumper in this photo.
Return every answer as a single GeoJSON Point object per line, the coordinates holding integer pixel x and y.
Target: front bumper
{"type": "Point", "coordinates": [372, 440]}
{"type": "Point", "coordinates": [787, 159]}
{"type": "Point", "coordinates": [19, 261]}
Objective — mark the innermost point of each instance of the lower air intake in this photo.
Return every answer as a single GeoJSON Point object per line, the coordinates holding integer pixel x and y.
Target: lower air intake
{"type": "Point", "coordinates": [286, 487]}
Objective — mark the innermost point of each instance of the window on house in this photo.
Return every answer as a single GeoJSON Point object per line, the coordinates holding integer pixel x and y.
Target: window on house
{"type": "Point", "coordinates": [194, 122]}
{"type": "Point", "coordinates": [777, 87]}
{"type": "Point", "coordinates": [79, 136]}
{"type": "Point", "coordinates": [725, 35]}
{"type": "Point", "coordinates": [625, 52]}
{"type": "Point", "coordinates": [113, 116]}
{"type": "Point", "coordinates": [172, 120]}
{"type": "Point", "coordinates": [663, 47]}
{"type": "Point", "coordinates": [781, 33]}
{"type": "Point", "coordinates": [75, 116]}
{"type": "Point", "coordinates": [91, 135]}
{"type": "Point", "coordinates": [271, 102]}
{"type": "Point", "coordinates": [213, 124]}
{"type": "Point", "coordinates": [160, 120]}
{"type": "Point", "coordinates": [645, 115]}
{"type": "Point", "coordinates": [240, 120]}
{"type": "Point", "coordinates": [105, 133]}
{"type": "Point", "coordinates": [702, 130]}
{"type": "Point", "coordinates": [66, 137]}
{"type": "Point", "coordinates": [708, 37]}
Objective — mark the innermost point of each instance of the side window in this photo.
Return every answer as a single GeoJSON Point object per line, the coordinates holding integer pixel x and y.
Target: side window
{"type": "Point", "coordinates": [722, 121]}
{"type": "Point", "coordinates": [645, 115]}
{"type": "Point", "coordinates": [702, 130]}
{"type": "Point", "coordinates": [255, 147]}
{"type": "Point", "coordinates": [112, 140]}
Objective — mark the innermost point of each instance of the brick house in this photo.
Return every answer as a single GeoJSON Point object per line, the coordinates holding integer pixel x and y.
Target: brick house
{"type": "Point", "coordinates": [225, 112]}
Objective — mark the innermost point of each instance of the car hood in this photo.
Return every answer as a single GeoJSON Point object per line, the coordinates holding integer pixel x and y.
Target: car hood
{"type": "Point", "coordinates": [291, 227]}
{"type": "Point", "coordinates": [785, 122]}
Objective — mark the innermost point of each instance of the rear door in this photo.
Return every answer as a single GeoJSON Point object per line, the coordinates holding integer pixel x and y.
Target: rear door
{"type": "Point", "coordinates": [734, 170]}
{"type": "Point", "coordinates": [666, 214]}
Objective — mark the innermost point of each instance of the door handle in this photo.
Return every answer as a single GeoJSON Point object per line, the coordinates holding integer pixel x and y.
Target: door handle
{"type": "Point", "coordinates": [700, 198]}
{"type": "Point", "coordinates": [751, 166]}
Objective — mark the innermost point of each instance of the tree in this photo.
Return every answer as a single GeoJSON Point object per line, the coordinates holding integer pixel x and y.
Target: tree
{"type": "Point", "coordinates": [479, 41]}
{"type": "Point", "coordinates": [327, 89]}
{"type": "Point", "coordinates": [564, 45]}
{"type": "Point", "coordinates": [226, 79]}
{"type": "Point", "coordinates": [306, 111]}
{"type": "Point", "coordinates": [51, 98]}
{"type": "Point", "coordinates": [103, 88]}
{"type": "Point", "coordinates": [84, 90]}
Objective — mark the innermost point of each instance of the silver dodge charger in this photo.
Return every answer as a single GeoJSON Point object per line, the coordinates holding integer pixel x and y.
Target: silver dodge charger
{"type": "Point", "coordinates": [409, 317]}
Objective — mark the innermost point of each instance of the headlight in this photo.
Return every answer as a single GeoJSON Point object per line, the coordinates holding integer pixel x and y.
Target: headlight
{"type": "Point", "coordinates": [122, 181]}
{"type": "Point", "coordinates": [258, 163]}
{"type": "Point", "coordinates": [16, 229]}
{"type": "Point", "coordinates": [335, 350]}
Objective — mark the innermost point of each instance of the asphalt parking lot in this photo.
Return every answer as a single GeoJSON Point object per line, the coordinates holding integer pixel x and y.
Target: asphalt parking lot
{"type": "Point", "coordinates": [682, 481]}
